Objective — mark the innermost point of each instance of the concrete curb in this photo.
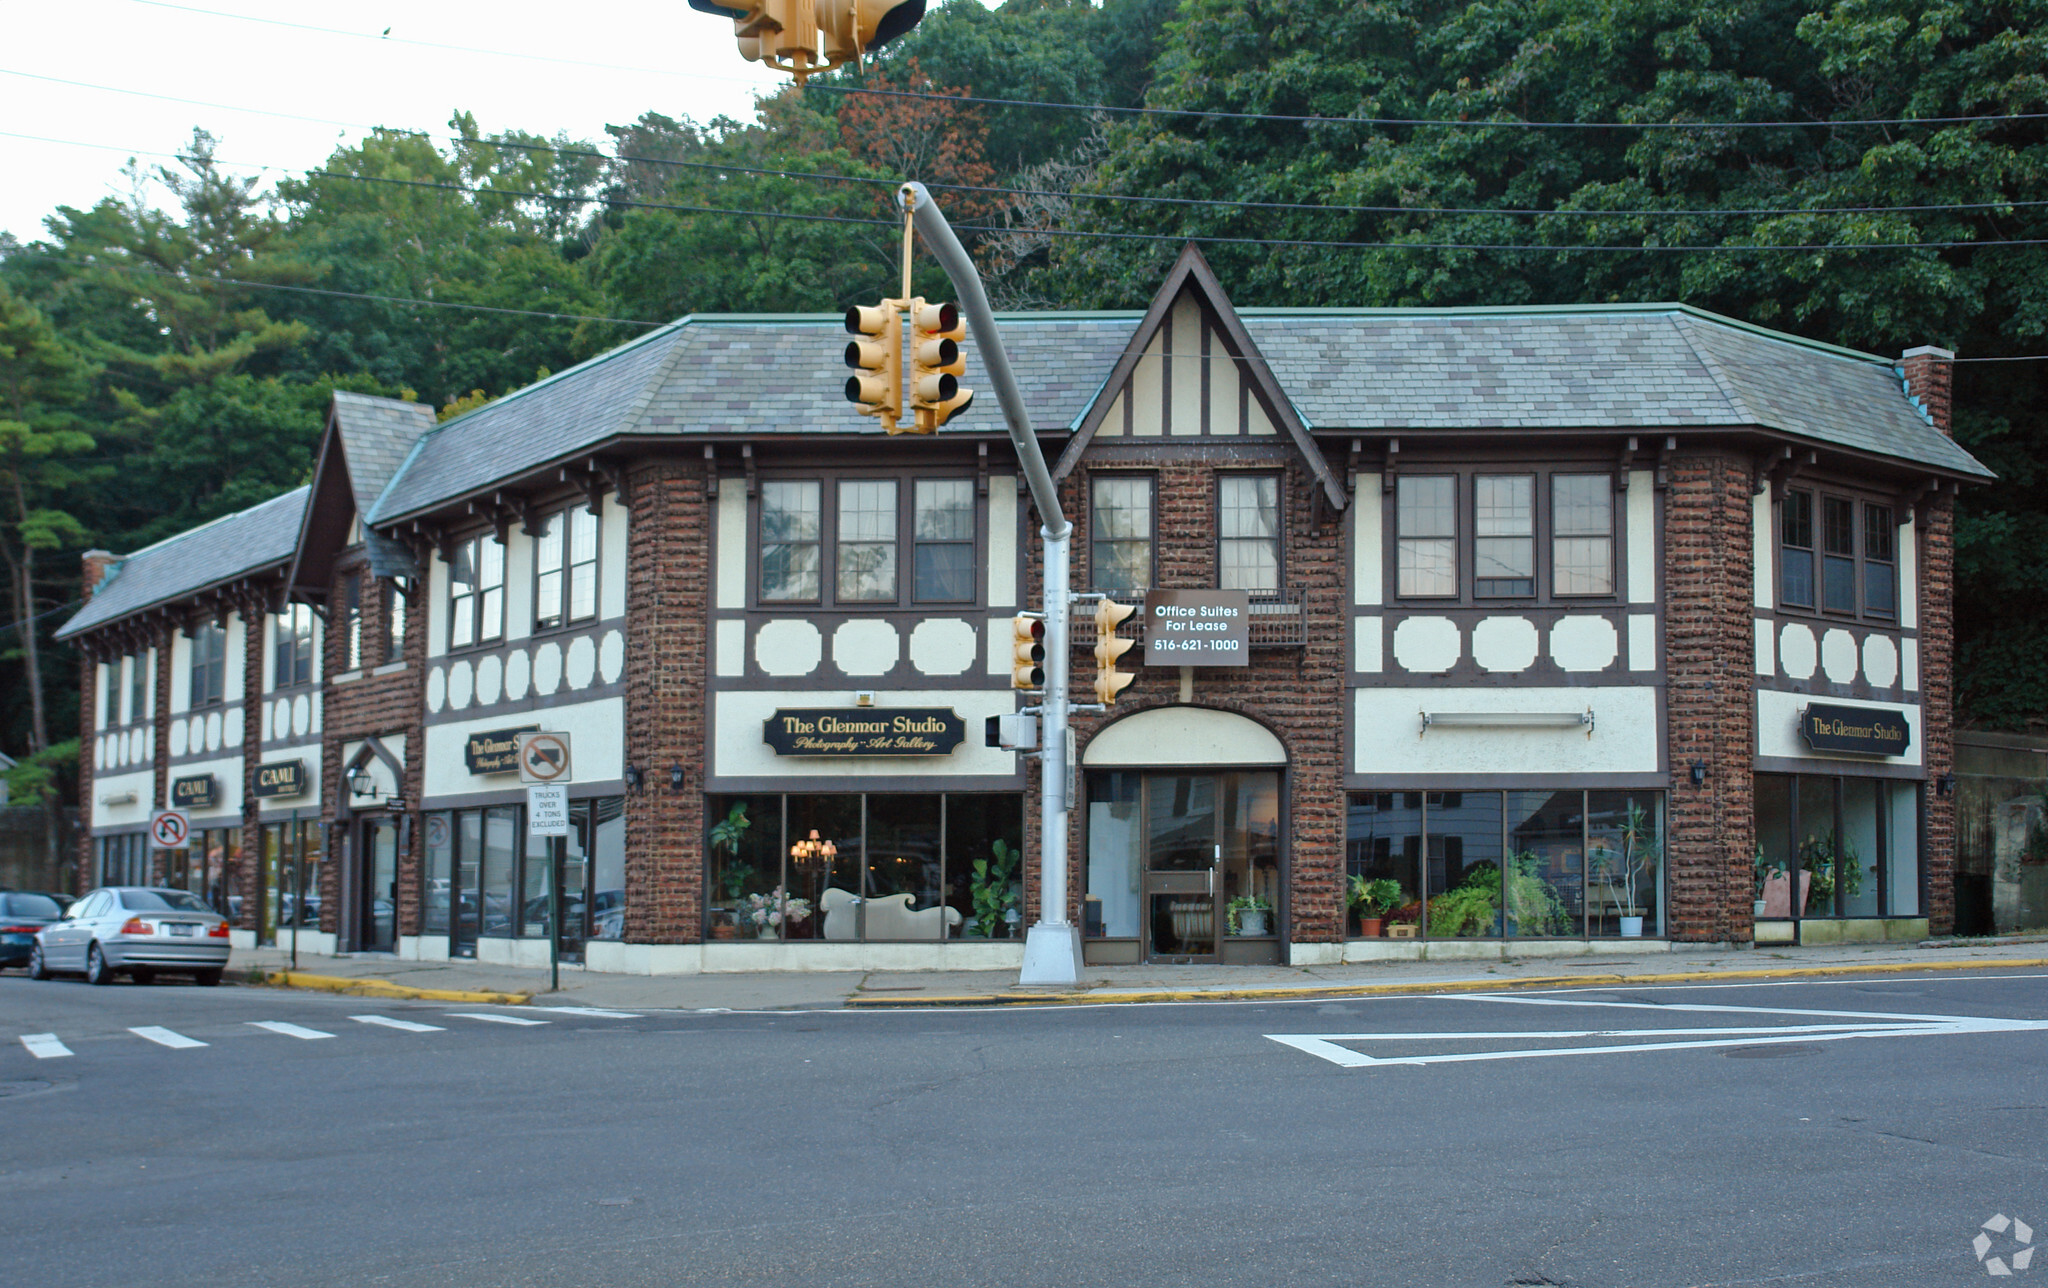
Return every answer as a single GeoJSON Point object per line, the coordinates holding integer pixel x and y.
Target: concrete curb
{"type": "Point", "coordinates": [1310, 991]}
{"type": "Point", "coordinates": [385, 988]}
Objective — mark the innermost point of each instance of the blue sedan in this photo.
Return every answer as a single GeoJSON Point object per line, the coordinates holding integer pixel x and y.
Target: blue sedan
{"type": "Point", "coordinates": [22, 914]}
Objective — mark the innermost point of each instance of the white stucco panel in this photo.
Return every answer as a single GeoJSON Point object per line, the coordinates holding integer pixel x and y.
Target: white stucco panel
{"type": "Point", "coordinates": [788, 646]}
{"type": "Point", "coordinates": [1798, 654]}
{"type": "Point", "coordinates": [227, 782]}
{"type": "Point", "coordinates": [1880, 661]}
{"type": "Point", "coordinates": [611, 554]}
{"type": "Point", "coordinates": [134, 813]}
{"type": "Point", "coordinates": [729, 648]}
{"type": "Point", "coordinates": [1002, 541]}
{"type": "Point", "coordinates": [490, 679]}
{"type": "Point", "coordinates": [518, 674]}
{"type": "Point", "coordinates": [1368, 644]}
{"type": "Point", "coordinates": [1777, 729]}
{"type": "Point", "coordinates": [1184, 736]}
{"type": "Point", "coordinates": [1368, 567]}
{"type": "Point", "coordinates": [1582, 642]}
{"type": "Point", "coordinates": [1505, 643]}
{"type": "Point", "coordinates": [737, 718]}
{"type": "Point", "coordinates": [597, 741]}
{"type": "Point", "coordinates": [1428, 644]}
{"type": "Point", "coordinates": [1766, 648]}
{"type": "Point", "coordinates": [1909, 665]}
{"type": "Point", "coordinates": [940, 646]}
{"type": "Point", "coordinates": [865, 646]}
{"type": "Point", "coordinates": [1388, 739]}
{"type": "Point", "coordinates": [732, 547]}
{"type": "Point", "coordinates": [547, 668]}
{"type": "Point", "coordinates": [1642, 537]}
{"type": "Point", "coordinates": [1762, 551]}
{"type": "Point", "coordinates": [1838, 656]}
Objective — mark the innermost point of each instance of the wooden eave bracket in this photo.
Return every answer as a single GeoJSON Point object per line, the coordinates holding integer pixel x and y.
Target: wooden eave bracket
{"type": "Point", "coordinates": [1624, 465]}
{"type": "Point", "coordinates": [1663, 480]}
{"type": "Point", "coordinates": [981, 469]}
{"type": "Point", "coordinates": [1392, 468]}
{"type": "Point", "coordinates": [753, 480]}
{"type": "Point", "coordinates": [615, 475]}
{"type": "Point", "coordinates": [1765, 464]}
{"type": "Point", "coordinates": [1352, 460]}
{"type": "Point", "coordinates": [710, 470]}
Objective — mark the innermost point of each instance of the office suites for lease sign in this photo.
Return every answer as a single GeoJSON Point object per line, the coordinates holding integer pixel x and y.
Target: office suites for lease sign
{"type": "Point", "coordinates": [1198, 628]}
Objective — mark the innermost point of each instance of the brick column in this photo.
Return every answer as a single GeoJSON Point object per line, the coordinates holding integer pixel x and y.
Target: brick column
{"type": "Point", "coordinates": [1928, 372]}
{"type": "Point", "coordinates": [160, 730]}
{"type": "Point", "coordinates": [668, 578]}
{"type": "Point", "coordinates": [1710, 838]}
{"type": "Point", "coordinates": [248, 876]}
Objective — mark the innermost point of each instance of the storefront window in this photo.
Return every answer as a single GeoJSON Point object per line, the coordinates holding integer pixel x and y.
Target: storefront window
{"type": "Point", "coordinates": [1837, 846]}
{"type": "Point", "coordinates": [1530, 863]}
{"type": "Point", "coordinates": [124, 859]}
{"type": "Point", "coordinates": [437, 901]}
{"type": "Point", "coordinates": [500, 860]}
{"type": "Point", "coordinates": [469, 858]}
{"type": "Point", "coordinates": [598, 835]}
{"type": "Point", "coordinates": [899, 866]}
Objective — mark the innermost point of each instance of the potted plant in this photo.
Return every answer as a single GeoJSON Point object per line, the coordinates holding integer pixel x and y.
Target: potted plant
{"type": "Point", "coordinates": [1764, 869]}
{"type": "Point", "coordinates": [1637, 860]}
{"type": "Point", "coordinates": [1248, 913]}
{"type": "Point", "coordinates": [764, 914]}
{"type": "Point", "coordinates": [1830, 863]}
{"type": "Point", "coordinates": [726, 836]}
{"type": "Point", "coordinates": [1373, 899]}
{"type": "Point", "coordinates": [1527, 899]}
{"type": "Point", "coordinates": [994, 892]}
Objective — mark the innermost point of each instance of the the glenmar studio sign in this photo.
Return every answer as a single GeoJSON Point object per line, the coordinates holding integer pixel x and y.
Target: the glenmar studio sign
{"type": "Point", "coordinates": [495, 751]}
{"type": "Point", "coordinates": [865, 731]}
{"type": "Point", "coordinates": [1866, 731]}
{"type": "Point", "coordinates": [281, 778]}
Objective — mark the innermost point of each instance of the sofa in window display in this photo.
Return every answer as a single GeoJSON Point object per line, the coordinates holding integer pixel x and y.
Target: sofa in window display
{"type": "Point", "coordinates": [888, 917]}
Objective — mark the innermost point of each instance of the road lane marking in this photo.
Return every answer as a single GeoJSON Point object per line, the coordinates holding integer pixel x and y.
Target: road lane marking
{"type": "Point", "coordinates": [289, 1030]}
{"type": "Point", "coordinates": [164, 1037]}
{"type": "Point", "coordinates": [495, 1019]}
{"type": "Point", "coordinates": [1875, 1024]}
{"type": "Point", "coordinates": [389, 1023]}
{"type": "Point", "coordinates": [44, 1046]}
{"type": "Point", "coordinates": [590, 1010]}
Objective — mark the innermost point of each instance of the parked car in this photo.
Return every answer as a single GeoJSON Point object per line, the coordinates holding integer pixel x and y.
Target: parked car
{"type": "Point", "coordinates": [139, 931]}
{"type": "Point", "coordinates": [22, 914]}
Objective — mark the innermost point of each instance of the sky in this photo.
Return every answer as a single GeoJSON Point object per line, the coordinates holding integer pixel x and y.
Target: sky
{"type": "Point", "coordinates": [577, 71]}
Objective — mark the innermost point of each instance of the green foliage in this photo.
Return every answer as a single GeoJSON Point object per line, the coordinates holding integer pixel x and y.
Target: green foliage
{"type": "Point", "coordinates": [45, 775]}
{"type": "Point", "coordinates": [1471, 907]}
{"type": "Point", "coordinates": [993, 888]}
{"type": "Point", "coordinates": [1529, 903]}
{"type": "Point", "coordinates": [1375, 897]}
{"type": "Point", "coordinates": [726, 836]}
{"type": "Point", "coordinates": [1242, 904]}
{"type": "Point", "coordinates": [1832, 861]}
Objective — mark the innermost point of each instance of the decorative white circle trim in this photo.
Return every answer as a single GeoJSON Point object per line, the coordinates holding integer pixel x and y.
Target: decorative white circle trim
{"type": "Point", "coordinates": [1505, 644]}
{"type": "Point", "coordinates": [461, 684]}
{"type": "Point", "coordinates": [99, 758]}
{"type": "Point", "coordinates": [1797, 652]}
{"type": "Point", "coordinates": [1838, 656]}
{"type": "Point", "coordinates": [547, 669]}
{"type": "Point", "coordinates": [1880, 661]}
{"type": "Point", "coordinates": [490, 678]}
{"type": "Point", "coordinates": [611, 657]}
{"type": "Point", "coordinates": [518, 674]}
{"type": "Point", "coordinates": [437, 689]}
{"type": "Point", "coordinates": [302, 715]}
{"type": "Point", "coordinates": [213, 731]}
{"type": "Point", "coordinates": [788, 647]}
{"type": "Point", "coordinates": [580, 667]}
{"type": "Point", "coordinates": [865, 646]}
{"type": "Point", "coordinates": [942, 646]}
{"type": "Point", "coordinates": [180, 732]}
{"type": "Point", "coordinates": [1584, 642]}
{"type": "Point", "coordinates": [1428, 644]}
{"type": "Point", "coordinates": [231, 728]}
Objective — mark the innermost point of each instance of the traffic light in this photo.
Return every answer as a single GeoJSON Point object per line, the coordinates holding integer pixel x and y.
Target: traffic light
{"type": "Point", "coordinates": [804, 37]}
{"type": "Point", "coordinates": [1027, 651]}
{"type": "Point", "coordinates": [878, 392]}
{"type": "Point", "coordinates": [936, 364]}
{"type": "Point", "coordinates": [1108, 648]}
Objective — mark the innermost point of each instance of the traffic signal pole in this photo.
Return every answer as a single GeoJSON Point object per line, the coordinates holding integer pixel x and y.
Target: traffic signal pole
{"type": "Point", "coordinates": [1052, 947]}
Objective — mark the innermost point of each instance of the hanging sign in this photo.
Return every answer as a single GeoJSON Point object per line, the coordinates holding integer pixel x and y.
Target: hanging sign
{"type": "Point", "coordinates": [1198, 628]}
{"type": "Point", "coordinates": [547, 809]}
{"type": "Point", "coordinates": [864, 731]}
{"type": "Point", "coordinates": [281, 778]}
{"type": "Point", "coordinates": [494, 751]}
{"type": "Point", "coordinates": [200, 791]}
{"type": "Point", "coordinates": [1862, 731]}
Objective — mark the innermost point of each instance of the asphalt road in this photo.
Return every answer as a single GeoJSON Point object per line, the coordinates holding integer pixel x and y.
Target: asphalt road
{"type": "Point", "coordinates": [1166, 1145]}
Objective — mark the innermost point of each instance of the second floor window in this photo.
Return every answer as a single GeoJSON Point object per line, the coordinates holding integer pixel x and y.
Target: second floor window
{"type": "Point", "coordinates": [476, 592]}
{"type": "Point", "coordinates": [1426, 536]}
{"type": "Point", "coordinates": [851, 542]}
{"type": "Point", "coordinates": [1527, 536]}
{"type": "Point", "coordinates": [394, 622]}
{"type": "Point", "coordinates": [1837, 555]}
{"type": "Point", "coordinates": [138, 679]}
{"type": "Point", "coordinates": [1248, 532]}
{"type": "Point", "coordinates": [1581, 534]}
{"type": "Point", "coordinates": [565, 569]}
{"type": "Point", "coordinates": [292, 649]}
{"type": "Point", "coordinates": [352, 623]}
{"type": "Point", "coordinates": [1120, 533]}
{"type": "Point", "coordinates": [209, 665]}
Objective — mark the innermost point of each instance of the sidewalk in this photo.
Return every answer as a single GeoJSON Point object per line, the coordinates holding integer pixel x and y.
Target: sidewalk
{"type": "Point", "coordinates": [794, 990]}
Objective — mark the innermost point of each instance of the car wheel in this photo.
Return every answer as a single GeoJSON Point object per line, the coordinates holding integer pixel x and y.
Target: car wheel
{"type": "Point", "coordinates": [206, 978]}
{"type": "Point", "coordinates": [36, 968]}
{"type": "Point", "coordinates": [96, 969]}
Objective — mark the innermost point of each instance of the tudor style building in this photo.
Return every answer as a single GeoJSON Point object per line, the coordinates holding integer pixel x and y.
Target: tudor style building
{"type": "Point", "coordinates": [1564, 624]}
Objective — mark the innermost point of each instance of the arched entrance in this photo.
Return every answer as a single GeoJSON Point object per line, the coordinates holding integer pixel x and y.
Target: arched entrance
{"type": "Point", "coordinates": [1185, 843]}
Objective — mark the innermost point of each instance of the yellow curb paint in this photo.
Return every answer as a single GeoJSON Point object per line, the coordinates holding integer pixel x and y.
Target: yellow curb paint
{"type": "Point", "coordinates": [1438, 986]}
{"type": "Point", "coordinates": [385, 988]}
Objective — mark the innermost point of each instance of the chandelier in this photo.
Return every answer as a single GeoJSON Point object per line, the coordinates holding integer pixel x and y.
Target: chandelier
{"type": "Point", "coordinates": [811, 849]}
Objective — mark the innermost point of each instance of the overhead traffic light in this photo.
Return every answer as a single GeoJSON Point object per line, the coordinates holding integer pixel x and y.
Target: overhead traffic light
{"type": "Point", "coordinates": [804, 37]}
{"type": "Point", "coordinates": [936, 364]}
{"type": "Point", "coordinates": [1027, 651]}
{"type": "Point", "coordinates": [1108, 648]}
{"type": "Point", "coordinates": [878, 392]}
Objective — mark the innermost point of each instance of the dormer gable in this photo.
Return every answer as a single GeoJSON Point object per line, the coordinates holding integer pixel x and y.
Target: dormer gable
{"type": "Point", "coordinates": [366, 440]}
{"type": "Point", "coordinates": [1191, 372]}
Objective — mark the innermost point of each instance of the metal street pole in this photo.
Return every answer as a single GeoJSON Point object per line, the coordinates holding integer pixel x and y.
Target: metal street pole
{"type": "Point", "coordinates": [298, 886]}
{"type": "Point", "coordinates": [1052, 947]}
{"type": "Point", "coordinates": [555, 914]}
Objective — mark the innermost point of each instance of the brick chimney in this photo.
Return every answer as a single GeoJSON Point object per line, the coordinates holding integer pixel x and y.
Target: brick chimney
{"type": "Point", "coordinates": [1927, 371]}
{"type": "Point", "coordinates": [96, 564]}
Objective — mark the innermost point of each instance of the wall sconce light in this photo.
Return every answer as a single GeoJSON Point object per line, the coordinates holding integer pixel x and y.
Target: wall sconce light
{"type": "Point", "coordinates": [1945, 785]}
{"type": "Point", "coordinates": [1699, 773]}
{"type": "Point", "coordinates": [675, 778]}
{"type": "Point", "coordinates": [360, 783]}
{"type": "Point", "coordinates": [635, 780]}
{"type": "Point", "coordinates": [811, 849]}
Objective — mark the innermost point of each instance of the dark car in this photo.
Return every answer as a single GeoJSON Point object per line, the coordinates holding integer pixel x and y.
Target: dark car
{"type": "Point", "coordinates": [22, 914]}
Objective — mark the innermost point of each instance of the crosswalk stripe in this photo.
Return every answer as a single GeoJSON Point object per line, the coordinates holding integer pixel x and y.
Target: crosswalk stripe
{"type": "Point", "coordinates": [386, 1021]}
{"type": "Point", "coordinates": [164, 1037]}
{"type": "Point", "coordinates": [495, 1019]}
{"type": "Point", "coordinates": [289, 1030]}
{"type": "Point", "coordinates": [591, 1010]}
{"type": "Point", "coordinates": [44, 1046]}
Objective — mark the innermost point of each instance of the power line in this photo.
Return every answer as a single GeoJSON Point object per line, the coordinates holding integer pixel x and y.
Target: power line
{"type": "Point", "coordinates": [194, 102]}
{"type": "Point", "coordinates": [1137, 111]}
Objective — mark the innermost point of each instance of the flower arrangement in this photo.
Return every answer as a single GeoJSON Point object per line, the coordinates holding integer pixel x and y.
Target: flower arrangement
{"type": "Point", "coordinates": [766, 911]}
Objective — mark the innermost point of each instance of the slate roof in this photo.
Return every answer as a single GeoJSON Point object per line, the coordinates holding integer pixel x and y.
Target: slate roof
{"type": "Point", "coordinates": [376, 436]}
{"type": "Point", "coordinates": [753, 374]}
{"type": "Point", "coordinates": [1654, 367]}
{"type": "Point", "coordinates": [192, 561]}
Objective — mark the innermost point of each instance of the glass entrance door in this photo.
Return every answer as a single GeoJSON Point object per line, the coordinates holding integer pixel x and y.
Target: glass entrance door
{"type": "Point", "coordinates": [572, 869]}
{"type": "Point", "coordinates": [378, 917]}
{"type": "Point", "coordinates": [1203, 856]}
{"type": "Point", "coordinates": [1182, 854]}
